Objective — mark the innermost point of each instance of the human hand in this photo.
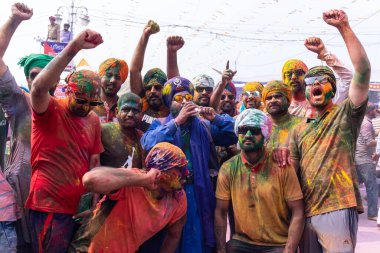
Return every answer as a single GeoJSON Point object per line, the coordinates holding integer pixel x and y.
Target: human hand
{"type": "Point", "coordinates": [281, 156]}
{"type": "Point", "coordinates": [21, 12]}
{"type": "Point", "coordinates": [151, 179]}
{"type": "Point", "coordinates": [375, 157]}
{"type": "Point", "coordinates": [316, 45]}
{"type": "Point", "coordinates": [87, 39]}
{"type": "Point", "coordinates": [174, 43]}
{"type": "Point", "coordinates": [83, 216]}
{"type": "Point", "coordinates": [208, 113]}
{"type": "Point", "coordinates": [188, 110]}
{"type": "Point", "coordinates": [151, 28]}
{"type": "Point", "coordinates": [337, 18]}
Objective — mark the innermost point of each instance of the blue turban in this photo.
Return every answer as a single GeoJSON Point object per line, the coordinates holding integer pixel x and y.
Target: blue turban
{"type": "Point", "coordinates": [175, 85]}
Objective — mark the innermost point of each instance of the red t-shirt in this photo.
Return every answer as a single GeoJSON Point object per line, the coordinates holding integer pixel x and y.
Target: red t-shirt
{"type": "Point", "coordinates": [62, 145]}
{"type": "Point", "coordinates": [135, 218]}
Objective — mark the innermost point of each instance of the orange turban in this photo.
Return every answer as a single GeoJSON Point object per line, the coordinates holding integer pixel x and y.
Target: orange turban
{"type": "Point", "coordinates": [111, 63]}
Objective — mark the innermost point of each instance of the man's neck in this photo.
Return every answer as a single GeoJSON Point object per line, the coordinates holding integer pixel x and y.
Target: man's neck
{"type": "Point", "coordinates": [109, 100]}
{"type": "Point", "coordinates": [299, 96]}
{"type": "Point", "coordinates": [277, 119]}
{"type": "Point", "coordinates": [128, 131]}
{"type": "Point", "coordinates": [254, 156]}
{"type": "Point", "coordinates": [321, 110]}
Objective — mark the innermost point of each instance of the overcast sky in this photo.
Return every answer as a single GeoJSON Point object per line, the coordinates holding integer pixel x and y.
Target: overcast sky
{"type": "Point", "coordinates": [256, 36]}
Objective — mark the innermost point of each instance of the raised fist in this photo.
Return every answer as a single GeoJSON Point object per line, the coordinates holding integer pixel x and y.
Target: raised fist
{"type": "Point", "coordinates": [21, 12]}
{"type": "Point", "coordinates": [174, 43]}
{"type": "Point", "coordinates": [315, 45]}
{"type": "Point", "coordinates": [87, 39]}
{"type": "Point", "coordinates": [337, 18]}
{"type": "Point", "coordinates": [151, 28]}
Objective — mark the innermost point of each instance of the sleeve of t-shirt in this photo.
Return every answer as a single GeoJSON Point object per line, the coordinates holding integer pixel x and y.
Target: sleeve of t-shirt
{"type": "Point", "coordinates": [293, 146]}
{"type": "Point", "coordinates": [181, 209]}
{"type": "Point", "coordinates": [119, 194]}
{"type": "Point", "coordinates": [292, 188]}
{"type": "Point", "coordinates": [356, 115]}
{"type": "Point", "coordinates": [223, 190]}
{"type": "Point", "coordinates": [42, 118]}
{"type": "Point", "coordinates": [98, 146]}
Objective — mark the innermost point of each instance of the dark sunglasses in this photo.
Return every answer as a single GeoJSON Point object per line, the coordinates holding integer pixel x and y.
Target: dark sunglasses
{"type": "Point", "coordinates": [202, 89]}
{"type": "Point", "coordinates": [157, 87]}
{"type": "Point", "coordinates": [80, 101]}
{"type": "Point", "coordinates": [297, 72]}
{"type": "Point", "coordinates": [320, 79]}
{"type": "Point", "coordinates": [230, 97]}
{"type": "Point", "coordinates": [254, 130]}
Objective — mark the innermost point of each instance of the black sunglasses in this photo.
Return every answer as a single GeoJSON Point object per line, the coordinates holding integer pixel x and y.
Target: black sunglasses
{"type": "Point", "coordinates": [80, 101]}
{"type": "Point", "coordinates": [202, 89]}
{"type": "Point", "coordinates": [230, 97]}
{"type": "Point", "coordinates": [254, 130]}
{"type": "Point", "coordinates": [157, 87]}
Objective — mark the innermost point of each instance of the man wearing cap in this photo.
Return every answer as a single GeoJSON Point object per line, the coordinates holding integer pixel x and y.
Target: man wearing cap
{"type": "Point", "coordinates": [121, 140]}
{"type": "Point", "coordinates": [276, 98]}
{"type": "Point", "coordinates": [16, 104]}
{"type": "Point", "coordinates": [365, 165]}
{"type": "Point", "coordinates": [113, 73]}
{"type": "Point", "coordinates": [137, 204]}
{"type": "Point", "coordinates": [53, 31]}
{"type": "Point", "coordinates": [294, 70]}
{"type": "Point", "coordinates": [66, 35]}
{"type": "Point", "coordinates": [251, 96]}
{"type": "Point", "coordinates": [149, 87]}
{"type": "Point", "coordinates": [204, 86]}
{"type": "Point", "coordinates": [329, 183]}
{"type": "Point", "coordinates": [266, 199]}
{"type": "Point", "coordinates": [66, 143]}
{"type": "Point", "coordinates": [195, 137]}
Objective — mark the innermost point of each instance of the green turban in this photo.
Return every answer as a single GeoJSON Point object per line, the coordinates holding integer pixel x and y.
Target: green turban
{"type": "Point", "coordinates": [34, 60]}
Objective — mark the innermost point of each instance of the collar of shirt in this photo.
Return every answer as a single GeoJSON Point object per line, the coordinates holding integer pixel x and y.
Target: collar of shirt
{"type": "Point", "coordinates": [257, 166]}
{"type": "Point", "coordinates": [317, 119]}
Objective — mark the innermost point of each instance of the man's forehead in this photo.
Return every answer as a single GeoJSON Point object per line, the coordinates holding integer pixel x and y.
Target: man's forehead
{"type": "Point", "coordinates": [35, 70]}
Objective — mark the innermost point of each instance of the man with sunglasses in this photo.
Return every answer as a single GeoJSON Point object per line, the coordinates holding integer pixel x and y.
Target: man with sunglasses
{"type": "Point", "coordinates": [266, 199]}
{"type": "Point", "coordinates": [113, 73]}
{"type": "Point", "coordinates": [195, 136]}
{"type": "Point", "coordinates": [121, 140]}
{"type": "Point", "coordinates": [251, 96]}
{"type": "Point", "coordinates": [294, 70]}
{"type": "Point", "coordinates": [204, 86]}
{"type": "Point", "coordinates": [66, 143]}
{"type": "Point", "coordinates": [16, 104]}
{"type": "Point", "coordinates": [323, 150]}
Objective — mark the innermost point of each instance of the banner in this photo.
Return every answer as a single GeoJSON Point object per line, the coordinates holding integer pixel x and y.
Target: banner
{"type": "Point", "coordinates": [54, 48]}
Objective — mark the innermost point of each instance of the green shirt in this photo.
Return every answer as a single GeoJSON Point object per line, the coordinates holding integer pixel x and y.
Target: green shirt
{"type": "Point", "coordinates": [325, 150]}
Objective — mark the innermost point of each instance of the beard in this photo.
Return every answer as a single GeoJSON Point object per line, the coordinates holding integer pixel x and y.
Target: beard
{"type": "Point", "coordinates": [227, 107]}
{"type": "Point", "coordinates": [154, 101]}
{"type": "Point", "coordinates": [254, 147]}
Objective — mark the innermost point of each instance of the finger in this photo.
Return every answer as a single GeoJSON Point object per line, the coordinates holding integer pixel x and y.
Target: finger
{"type": "Point", "coordinates": [274, 156]}
{"type": "Point", "coordinates": [234, 73]}
{"type": "Point", "coordinates": [228, 64]}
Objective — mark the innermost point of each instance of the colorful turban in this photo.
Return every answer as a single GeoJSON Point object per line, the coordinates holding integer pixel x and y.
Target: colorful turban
{"type": "Point", "coordinates": [175, 85]}
{"type": "Point", "coordinates": [165, 156]}
{"type": "Point", "coordinates": [293, 64]}
{"type": "Point", "coordinates": [254, 118]}
{"type": "Point", "coordinates": [129, 99]}
{"type": "Point", "coordinates": [276, 86]}
{"type": "Point", "coordinates": [231, 88]}
{"type": "Point", "coordinates": [112, 63]}
{"type": "Point", "coordinates": [84, 82]}
{"type": "Point", "coordinates": [323, 71]}
{"type": "Point", "coordinates": [252, 86]}
{"type": "Point", "coordinates": [154, 76]}
{"type": "Point", "coordinates": [203, 80]}
{"type": "Point", "coordinates": [34, 60]}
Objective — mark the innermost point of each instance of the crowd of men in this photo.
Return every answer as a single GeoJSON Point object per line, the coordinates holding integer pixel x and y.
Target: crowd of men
{"type": "Point", "coordinates": [164, 167]}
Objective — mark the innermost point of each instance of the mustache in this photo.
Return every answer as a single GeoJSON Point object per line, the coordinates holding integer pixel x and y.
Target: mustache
{"type": "Point", "coordinates": [152, 95]}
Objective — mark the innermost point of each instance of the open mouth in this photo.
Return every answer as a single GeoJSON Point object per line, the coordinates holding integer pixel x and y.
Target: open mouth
{"type": "Point", "coordinates": [316, 92]}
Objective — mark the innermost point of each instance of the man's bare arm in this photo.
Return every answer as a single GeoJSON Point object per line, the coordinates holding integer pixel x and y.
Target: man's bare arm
{"type": "Point", "coordinates": [358, 91]}
{"type": "Point", "coordinates": [20, 12]}
{"type": "Point", "coordinates": [221, 211]}
{"type": "Point", "coordinates": [173, 236]}
{"type": "Point", "coordinates": [227, 76]}
{"type": "Point", "coordinates": [104, 180]}
{"type": "Point", "coordinates": [138, 58]}
{"type": "Point", "coordinates": [296, 226]}
{"type": "Point", "coordinates": [50, 74]}
{"type": "Point", "coordinates": [173, 43]}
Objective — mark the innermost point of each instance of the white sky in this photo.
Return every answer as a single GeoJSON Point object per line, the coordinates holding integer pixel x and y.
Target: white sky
{"type": "Point", "coordinates": [256, 36]}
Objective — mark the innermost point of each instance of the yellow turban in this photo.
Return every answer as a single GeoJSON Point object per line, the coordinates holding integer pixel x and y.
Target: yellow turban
{"type": "Point", "coordinates": [252, 86]}
{"type": "Point", "coordinates": [276, 86]}
{"type": "Point", "coordinates": [293, 64]}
